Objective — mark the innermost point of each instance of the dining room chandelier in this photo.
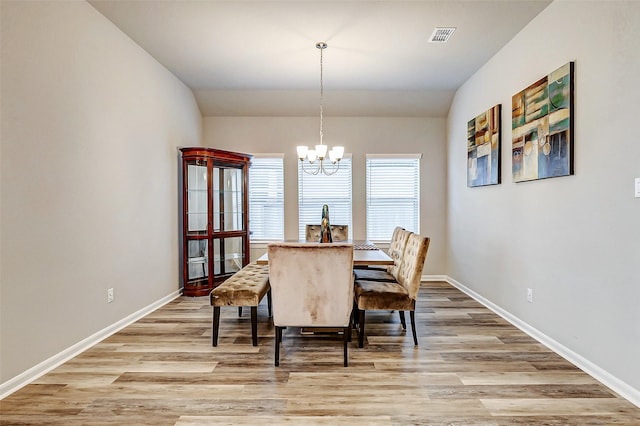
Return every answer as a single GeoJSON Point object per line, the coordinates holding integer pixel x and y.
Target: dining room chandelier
{"type": "Point", "coordinates": [321, 159]}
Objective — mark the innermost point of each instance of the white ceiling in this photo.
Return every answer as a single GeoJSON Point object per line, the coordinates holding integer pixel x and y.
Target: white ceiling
{"type": "Point", "coordinates": [258, 57]}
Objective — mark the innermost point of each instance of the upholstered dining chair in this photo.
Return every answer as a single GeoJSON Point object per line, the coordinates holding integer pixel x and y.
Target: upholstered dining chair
{"type": "Point", "coordinates": [398, 295]}
{"type": "Point", "coordinates": [338, 233]}
{"type": "Point", "coordinates": [396, 249]}
{"type": "Point", "coordinates": [311, 286]}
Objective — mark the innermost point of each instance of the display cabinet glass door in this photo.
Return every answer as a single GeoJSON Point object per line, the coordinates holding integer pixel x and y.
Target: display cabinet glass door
{"type": "Point", "coordinates": [197, 205]}
{"type": "Point", "coordinates": [228, 255]}
{"type": "Point", "coordinates": [198, 262]}
{"type": "Point", "coordinates": [228, 199]}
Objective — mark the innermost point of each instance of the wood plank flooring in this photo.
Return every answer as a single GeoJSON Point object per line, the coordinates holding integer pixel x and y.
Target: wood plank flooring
{"type": "Point", "coordinates": [471, 368]}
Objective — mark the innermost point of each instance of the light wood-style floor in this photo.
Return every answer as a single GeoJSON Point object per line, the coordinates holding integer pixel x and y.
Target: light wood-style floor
{"type": "Point", "coordinates": [471, 367]}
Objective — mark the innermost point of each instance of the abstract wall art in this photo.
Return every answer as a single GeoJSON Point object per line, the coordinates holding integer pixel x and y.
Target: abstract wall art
{"type": "Point", "coordinates": [483, 148]}
{"type": "Point", "coordinates": [542, 127]}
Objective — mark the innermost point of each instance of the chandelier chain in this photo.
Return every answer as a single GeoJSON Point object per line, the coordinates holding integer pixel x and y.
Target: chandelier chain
{"type": "Point", "coordinates": [321, 96]}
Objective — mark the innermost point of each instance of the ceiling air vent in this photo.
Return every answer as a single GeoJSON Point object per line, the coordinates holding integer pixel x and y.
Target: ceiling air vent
{"type": "Point", "coordinates": [441, 34]}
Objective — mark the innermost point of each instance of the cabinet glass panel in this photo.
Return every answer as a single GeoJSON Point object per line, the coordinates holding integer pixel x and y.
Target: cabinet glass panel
{"type": "Point", "coordinates": [233, 214]}
{"type": "Point", "coordinates": [197, 262]}
{"type": "Point", "coordinates": [197, 197]}
{"type": "Point", "coordinates": [227, 255]}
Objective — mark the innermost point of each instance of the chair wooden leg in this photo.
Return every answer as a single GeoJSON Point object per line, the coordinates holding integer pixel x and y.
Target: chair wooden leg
{"type": "Point", "coordinates": [347, 333]}
{"type": "Point", "coordinates": [361, 328]}
{"type": "Point", "coordinates": [277, 339]}
{"type": "Point", "coordinates": [351, 321]}
{"type": "Point", "coordinates": [239, 311]}
{"type": "Point", "coordinates": [269, 305]}
{"type": "Point", "coordinates": [412, 314]}
{"type": "Point", "coordinates": [354, 313]}
{"type": "Point", "coordinates": [402, 320]}
{"type": "Point", "coordinates": [215, 325]}
{"type": "Point", "coordinates": [254, 325]}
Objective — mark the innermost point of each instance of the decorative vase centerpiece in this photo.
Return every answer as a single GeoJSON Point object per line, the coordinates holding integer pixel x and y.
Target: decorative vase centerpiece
{"type": "Point", "coordinates": [325, 227]}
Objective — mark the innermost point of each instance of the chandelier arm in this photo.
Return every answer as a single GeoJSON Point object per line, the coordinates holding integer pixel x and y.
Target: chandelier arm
{"type": "Point", "coordinates": [333, 170]}
{"type": "Point", "coordinates": [312, 171]}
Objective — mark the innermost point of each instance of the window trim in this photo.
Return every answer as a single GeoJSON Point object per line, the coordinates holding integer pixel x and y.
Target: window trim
{"type": "Point", "coordinates": [301, 226]}
{"type": "Point", "coordinates": [391, 157]}
{"type": "Point", "coordinates": [274, 156]}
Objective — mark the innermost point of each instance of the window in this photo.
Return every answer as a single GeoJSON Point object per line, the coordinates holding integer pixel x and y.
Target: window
{"type": "Point", "coordinates": [393, 194]}
{"type": "Point", "coordinates": [334, 191]}
{"type": "Point", "coordinates": [266, 197]}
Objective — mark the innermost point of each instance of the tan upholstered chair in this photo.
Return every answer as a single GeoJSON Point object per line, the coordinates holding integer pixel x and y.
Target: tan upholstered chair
{"type": "Point", "coordinates": [396, 249]}
{"type": "Point", "coordinates": [338, 233]}
{"type": "Point", "coordinates": [398, 295]}
{"type": "Point", "coordinates": [311, 286]}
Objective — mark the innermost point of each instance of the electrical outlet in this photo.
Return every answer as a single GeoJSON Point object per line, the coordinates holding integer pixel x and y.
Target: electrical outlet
{"type": "Point", "coordinates": [109, 295]}
{"type": "Point", "coordinates": [530, 295]}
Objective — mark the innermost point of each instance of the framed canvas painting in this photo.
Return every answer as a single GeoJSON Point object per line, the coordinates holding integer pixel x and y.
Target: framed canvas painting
{"type": "Point", "coordinates": [542, 127]}
{"type": "Point", "coordinates": [483, 148]}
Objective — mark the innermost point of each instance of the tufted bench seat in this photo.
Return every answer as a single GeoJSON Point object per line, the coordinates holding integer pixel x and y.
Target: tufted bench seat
{"type": "Point", "coordinates": [246, 287]}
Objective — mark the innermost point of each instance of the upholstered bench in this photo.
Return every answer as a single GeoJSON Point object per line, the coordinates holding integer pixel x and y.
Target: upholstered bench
{"type": "Point", "coordinates": [246, 287]}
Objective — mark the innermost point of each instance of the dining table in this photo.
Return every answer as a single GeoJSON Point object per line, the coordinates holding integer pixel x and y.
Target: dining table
{"type": "Point", "coordinates": [365, 253]}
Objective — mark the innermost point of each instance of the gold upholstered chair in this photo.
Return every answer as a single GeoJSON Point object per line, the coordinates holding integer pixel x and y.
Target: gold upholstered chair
{"type": "Point", "coordinates": [400, 294]}
{"type": "Point", "coordinates": [338, 233]}
{"type": "Point", "coordinates": [395, 251]}
{"type": "Point", "coordinates": [311, 286]}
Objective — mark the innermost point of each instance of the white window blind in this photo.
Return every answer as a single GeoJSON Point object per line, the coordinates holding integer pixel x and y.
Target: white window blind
{"type": "Point", "coordinates": [393, 194]}
{"type": "Point", "coordinates": [334, 191]}
{"type": "Point", "coordinates": [266, 198]}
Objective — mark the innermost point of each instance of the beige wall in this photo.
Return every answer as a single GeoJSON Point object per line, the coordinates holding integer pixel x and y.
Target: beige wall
{"type": "Point", "coordinates": [359, 135]}
{"type": "Point", "coordinates": [574, 240]}
{"type": "Point", "coordinates": [90, 126]}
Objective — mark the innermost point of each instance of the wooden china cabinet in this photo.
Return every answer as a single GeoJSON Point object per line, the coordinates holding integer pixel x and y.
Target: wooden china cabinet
{"type": "Point", "coordinates": [215, 207]}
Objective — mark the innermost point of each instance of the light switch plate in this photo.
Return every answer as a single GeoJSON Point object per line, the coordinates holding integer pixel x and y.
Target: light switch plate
{"type": "Point", "coordinates": [637, 187]}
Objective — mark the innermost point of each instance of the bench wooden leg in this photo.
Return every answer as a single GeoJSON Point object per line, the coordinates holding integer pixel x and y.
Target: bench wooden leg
{"type": "Point", "coordinates": [269, 303]}
{"type": "Point", "coordinates": [215, 325]}
{"type": "Point", "coordinates": [239, 311]}
{"type": "Point", "coordinates": [254, 325]}
{"type": "Point", "coordinates": [402, 320]}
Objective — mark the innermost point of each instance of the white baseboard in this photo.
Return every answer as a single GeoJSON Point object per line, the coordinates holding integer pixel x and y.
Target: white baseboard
{"type": "Point", "coordinates": [434, 278]}
{"type": "Point", "coordinates": [618, 386]}
{"type": "Point", "coordinates": [23, 379]}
